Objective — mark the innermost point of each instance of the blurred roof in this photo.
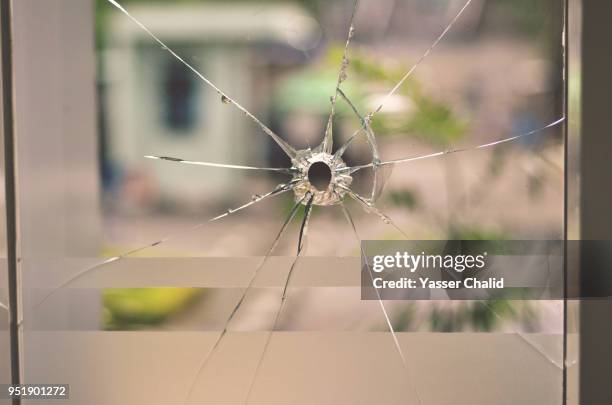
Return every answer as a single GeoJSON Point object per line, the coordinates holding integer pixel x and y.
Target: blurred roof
{"type": "Point", "coordinates": [220, 23]}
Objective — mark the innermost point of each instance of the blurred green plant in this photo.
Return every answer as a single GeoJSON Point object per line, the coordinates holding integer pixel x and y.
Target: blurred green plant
{"type": "Point", "coordinates": [309, 91]}
{"type": "Point", "coordinates": [405, 318]}
{"type": "Point", "coordinates": [461, 316]}
{"type": "Point", "coordinates": [476, 232]}
{"type": "Point", "coordinates": [528, 17]}
{"type": "Point", "coordinates": [488, 315]}
{"type": "Point", "coordinates": [404, 198]}
{"type": "Point", "coordinates": [134, 308]}
{"type": "Point", "coordinates": [480, 316]}
{"type": "Point", "coordinates": [432, 121]}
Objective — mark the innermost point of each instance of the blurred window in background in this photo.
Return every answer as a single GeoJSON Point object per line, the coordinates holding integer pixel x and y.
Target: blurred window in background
{"type": "Point", "coordinates": [179, 99]}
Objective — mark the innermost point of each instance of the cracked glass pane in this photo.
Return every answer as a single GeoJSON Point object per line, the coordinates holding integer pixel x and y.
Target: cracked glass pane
{"type": "Point", "coordinates": [246, 148]}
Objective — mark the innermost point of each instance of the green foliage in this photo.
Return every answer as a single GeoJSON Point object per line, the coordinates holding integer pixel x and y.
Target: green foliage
{"type": "Point", "coordinates": [365, 68]}
{"type": "Point", "coordinates": [474, 232]}
{"type": "Point", "coordinates": [535, 185]}
{"type": "Point", "coordinates": [529, 16]}
{"type": "Point", "coordinates": [435, 123]}
{"type": "Point", "coordinates": [404, 198]}
{"type": "Point", "coordinates": [497, 162]}
{"type": "Point", "coordinates": [432, 121]}
{"type": "Point", "coordinates": [309, 91]}
{"type": "Point", "coordinates": [131, 308]}
{"type": "Point", "coordinates": [460, 316]}
{"type": "Point", "coordinates": [485, 316]}
{"type": "Point", "coordinates": [404, 319]}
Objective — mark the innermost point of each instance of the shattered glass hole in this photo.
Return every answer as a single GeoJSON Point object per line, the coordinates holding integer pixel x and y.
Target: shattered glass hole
{"type": "Point", "coordinates": [322, 175]}
{"type": "Point", "coordinates": [319, 175]}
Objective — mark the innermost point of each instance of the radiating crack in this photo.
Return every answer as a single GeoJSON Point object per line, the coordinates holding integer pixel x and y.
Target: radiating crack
{"type": "Point", "coordinates": [371, 208]}
{"type": "Point", "coordinates": [524, 337]}
{"type": "Point", "coordinates": [240, 301]}
{"type": "Point", "coordinates": [220, 165]}
{"type": "Point", "coordinates": [280, 189]}
{"type": "Point", "coordinates": [365, 125]}
{"type": "Point", "coordinates": [421, 59]}
{"type": "Point", "coordinates": [399, 84]}
{"type": "Point", "coordinates": [398, 347]}
{"type": "Point", "coordinates": [300, 247]}
{"type": "Point", "coordinates": [354, 169]}
{"type": "Point", "coordinates": [328, 139]}
{"type": "Point", "coordinates": [517, 332]}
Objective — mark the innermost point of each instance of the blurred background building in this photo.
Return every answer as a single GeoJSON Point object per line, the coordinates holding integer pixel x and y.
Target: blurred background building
{"type": "Point", "coordinates": [154, 103]}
